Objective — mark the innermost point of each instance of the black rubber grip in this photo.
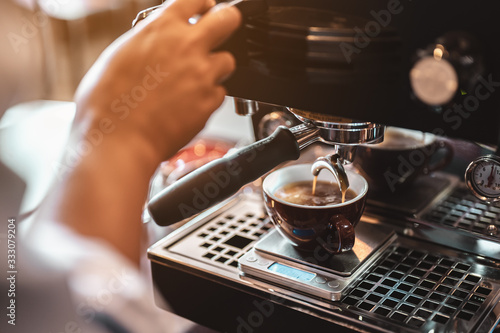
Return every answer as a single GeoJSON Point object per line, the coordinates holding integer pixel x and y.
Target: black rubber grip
{"type": "Point", "coordinates": [221, 178]}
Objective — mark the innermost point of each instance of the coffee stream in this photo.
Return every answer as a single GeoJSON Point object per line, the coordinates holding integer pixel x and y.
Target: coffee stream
{"type": "Point", "coordinates": [344, 190]}
{"type": "Point", "coordinates": [314, 185]}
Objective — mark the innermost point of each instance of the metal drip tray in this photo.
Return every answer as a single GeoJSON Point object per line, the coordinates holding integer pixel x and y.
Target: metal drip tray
{"type": "Point", "coordinates": [402, 284]}
{"type": "Point", "coordinates": [225, 237]}
{"type": "Point", "coordinates": [462, 210]}
{"type": "Point", "coordinates": [426, 290]}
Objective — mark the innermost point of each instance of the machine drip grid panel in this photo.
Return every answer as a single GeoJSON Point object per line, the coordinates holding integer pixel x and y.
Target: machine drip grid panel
{"type": "Point", "coordinates": [415, 287]}
{"type": "Point", "coordinates": [464, 211]}
{"type": "Point", "coordinates": [225, 238]}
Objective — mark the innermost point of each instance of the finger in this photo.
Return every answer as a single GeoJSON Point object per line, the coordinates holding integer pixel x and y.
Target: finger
{"type": "Point", "coordinates": [223, 64]}
{"type": "Point", "coordinates": [218, 24]}
{"type": "Point", "coordinates": [217, 96]}
{"type": "Point", "coordinates": [185, 9]}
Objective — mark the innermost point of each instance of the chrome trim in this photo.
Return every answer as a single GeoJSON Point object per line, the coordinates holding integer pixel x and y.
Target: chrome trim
{"type": "Point", "coordinates": [245, 107]}
{"type": "Point", "coordinates": [305, 134]}
{"type": "Point", "coordinates": [143, 14]}
{"type": "Point", "coordinates": [335, 130]}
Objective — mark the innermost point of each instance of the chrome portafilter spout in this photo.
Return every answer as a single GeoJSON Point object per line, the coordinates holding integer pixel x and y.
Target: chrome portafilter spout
{"type": "Point", "coordinates": [334, 164]}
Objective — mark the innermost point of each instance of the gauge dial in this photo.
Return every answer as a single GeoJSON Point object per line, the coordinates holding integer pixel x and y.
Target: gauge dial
{"type": "Point", "coordinates": [483, 178]}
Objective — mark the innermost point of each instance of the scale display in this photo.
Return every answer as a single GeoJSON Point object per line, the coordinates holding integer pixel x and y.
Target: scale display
{"type": "Point", "coordinates": [291, 272]}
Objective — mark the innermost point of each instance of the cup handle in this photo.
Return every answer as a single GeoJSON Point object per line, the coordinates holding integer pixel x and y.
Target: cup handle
{"type": "Point", "coordinates": [341, 235]}
{"type": "Point", "coordinates": [445, 160]}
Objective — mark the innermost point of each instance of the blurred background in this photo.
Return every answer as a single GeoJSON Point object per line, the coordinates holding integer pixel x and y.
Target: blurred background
{"type": "Point", "coordinates": [75, 33]}
{"type": "Point", "coordinates": [48, 47]}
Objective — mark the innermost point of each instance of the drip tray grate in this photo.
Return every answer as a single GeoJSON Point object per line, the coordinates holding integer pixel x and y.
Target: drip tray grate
{"type": "Point", "coordinates": [415, 287]}
{"type": "Point", "coordinates": [225, 238]}
{"type": "Point", "coordinates": [463, 211]}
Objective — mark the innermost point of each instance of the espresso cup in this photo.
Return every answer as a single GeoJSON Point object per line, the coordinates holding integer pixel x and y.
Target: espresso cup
{"type": "Point", "coordinates": [401, 158]}
{"type": "Point", "coordinates": [308, 227]}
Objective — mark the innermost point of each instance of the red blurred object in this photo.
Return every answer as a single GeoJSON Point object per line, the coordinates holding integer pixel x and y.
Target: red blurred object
{"type": "Point", "coordinates": [194, 155]}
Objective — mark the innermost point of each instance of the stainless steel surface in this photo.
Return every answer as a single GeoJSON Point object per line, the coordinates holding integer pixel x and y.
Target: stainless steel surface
{"type": "Point", "coordinates": [330, 276]}
{"type": "Point", "coordinates": [226, 236]}
{"type": "Point", "coordinates": [245, 107]}
{"type": "Point", "coordinates": [369, 239]}
{"type": "Point", "coordinates": [306, 134]}
{"type": "Point", "coordinates": [460, 210]}
{"type": "Point", "coordinates": [336, 130]}
{"type": "Point", "coordinates": [421, 282]}
{"type": "Point", "coordinates": [346, 152]}
{"type": "Point", "coordinates": [428, 288]}
{"type": "Point", "coordinates": [272, 120]}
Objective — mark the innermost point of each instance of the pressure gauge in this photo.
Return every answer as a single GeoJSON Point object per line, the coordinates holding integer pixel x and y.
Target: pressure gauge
{"type": "Point", "coordinates": [483, 178]}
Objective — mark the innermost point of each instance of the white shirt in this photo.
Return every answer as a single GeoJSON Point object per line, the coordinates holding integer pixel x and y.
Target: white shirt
{"type": "Point", "coordinates": [67, 283]}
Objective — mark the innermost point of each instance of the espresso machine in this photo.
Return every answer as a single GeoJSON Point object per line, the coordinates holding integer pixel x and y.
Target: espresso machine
{"type": "Point", "coordinates": [327, 76]}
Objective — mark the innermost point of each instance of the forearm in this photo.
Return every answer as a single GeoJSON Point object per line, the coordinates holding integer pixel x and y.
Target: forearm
{"type": "Point", "coordinates": [176, 88]}
{"type": "Point", "coordinates": [102, 195]}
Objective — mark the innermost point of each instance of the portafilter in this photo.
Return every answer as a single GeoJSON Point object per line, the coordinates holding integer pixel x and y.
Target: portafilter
{"type": "Point", "coordinates": [222, 178]}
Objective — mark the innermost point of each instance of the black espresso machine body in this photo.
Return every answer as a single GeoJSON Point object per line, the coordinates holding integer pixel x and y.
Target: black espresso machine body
{"type": "Point", "coordinates": [425, 260]}
{"type": "Point", "coordinates": [360, 66]}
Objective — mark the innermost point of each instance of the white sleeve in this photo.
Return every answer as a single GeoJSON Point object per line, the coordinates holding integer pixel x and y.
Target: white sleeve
{"type": "Point", "coordinates": [104, 287]}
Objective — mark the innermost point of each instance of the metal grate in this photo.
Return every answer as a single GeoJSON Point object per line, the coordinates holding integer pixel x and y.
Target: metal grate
{"type": "Point", "coordinates": [224, 239]}
{"type": "Point", "coordinates": [414, 287]}
{"type": "Point", "coordinates": [462, 210]}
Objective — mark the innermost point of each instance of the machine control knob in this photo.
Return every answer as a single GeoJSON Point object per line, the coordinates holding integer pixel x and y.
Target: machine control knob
{"type": "Point", "coordinates": [450, 66]}
{"type": "Point", "coordinates": [320, 280]}
{"type": "Point", "coordinates": [334, 284]}
{"type": "Point", "coordinates": [251, 259]}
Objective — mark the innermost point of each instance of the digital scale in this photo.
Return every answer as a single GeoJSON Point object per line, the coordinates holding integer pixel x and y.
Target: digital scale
{"type": "Point", "coordinates": [313, 276]}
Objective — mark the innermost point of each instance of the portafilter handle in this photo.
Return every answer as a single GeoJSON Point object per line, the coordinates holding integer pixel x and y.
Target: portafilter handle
{"type": "Point", "coordinates": [222, 178]}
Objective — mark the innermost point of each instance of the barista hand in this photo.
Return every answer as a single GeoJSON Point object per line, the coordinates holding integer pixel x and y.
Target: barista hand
{"type": "Point", "coordinates": [145, 98]}
{"type": "Point", "coordinates": [161, 81]}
